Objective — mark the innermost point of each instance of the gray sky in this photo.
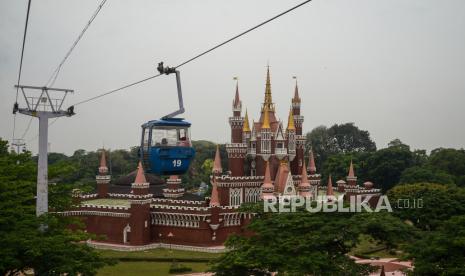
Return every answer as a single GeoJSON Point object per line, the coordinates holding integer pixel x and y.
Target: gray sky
{"type": "Point", "coordinates": [395, 68]}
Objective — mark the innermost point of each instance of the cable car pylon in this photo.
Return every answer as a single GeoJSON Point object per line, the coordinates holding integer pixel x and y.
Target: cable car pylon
{"type": "Point", "coordinates": [43, 107]}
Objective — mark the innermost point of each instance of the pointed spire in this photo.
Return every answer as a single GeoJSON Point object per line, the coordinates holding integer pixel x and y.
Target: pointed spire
{"type": "Point", "coordinates": [296, 98]}
{"type": "Point", "coordinates": [214, 199]}
{"type": "Point", "coordinates": [304, 174]}
{"type": "Point", "coordinates": [246, 127]}
{"type": "Point", "coordinates": [268, 99]}
{"type": "Point", "coordinates": [237, 101]}
{"type": "Point", "coordinates": [290, 122]}
{"type": "Point", "coordinates": [217, 169]}
{"type": "Point", "coordinates": [266, 118]}
{"type": "Point", "coordinates": [267, 180]}
{"type": "Point", "coordinates": [311, 163]}
{"type": "Point", "coordinates": [140, 176]}
{"type": "Point", "coordinates": [103, 169]}
{"type": "Point", "coordinates": [329, 189]}
{"type": "Point", "coordinates": [304, 186]}
{"type": "Point", "coordinates": [351, 169]}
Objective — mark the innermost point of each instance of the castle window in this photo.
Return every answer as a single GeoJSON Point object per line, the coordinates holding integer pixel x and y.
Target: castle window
{"type": "Point", "coordinates": [235, 196]}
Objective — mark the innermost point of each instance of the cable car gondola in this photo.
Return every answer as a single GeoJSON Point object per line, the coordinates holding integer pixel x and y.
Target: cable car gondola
{"type": "Point", "coordinates": [166, 148]}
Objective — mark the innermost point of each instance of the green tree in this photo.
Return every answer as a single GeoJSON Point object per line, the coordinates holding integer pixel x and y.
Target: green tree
{"type": "Point", "coordinates": [437, 202]}
{"type": "Point", "coordinates": [385, 166]}
{"type": "Point", "coordinates": [417, 174]}
{"type": "Point", "coordinates": [343, 138]}
{"type": "Point", "coordinates": [304, 243]}
{"type": "Point", "coordinates": [441, 252]}
{"type": "Point", "coordinates": [450, 161]}
{"type": "Point", "coordinates": [26, 243]}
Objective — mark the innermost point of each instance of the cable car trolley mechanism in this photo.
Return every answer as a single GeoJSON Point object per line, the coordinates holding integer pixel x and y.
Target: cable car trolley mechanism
{"type": "Point", "coordinates": [166, 148]}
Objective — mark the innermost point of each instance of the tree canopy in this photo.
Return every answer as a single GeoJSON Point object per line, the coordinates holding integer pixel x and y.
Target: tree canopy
{"type": "Point", "coordinates": [43, 244]}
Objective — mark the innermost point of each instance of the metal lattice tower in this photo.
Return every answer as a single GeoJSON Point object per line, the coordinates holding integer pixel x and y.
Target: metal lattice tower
{"type": "Point", "coordinates": [46, 105]}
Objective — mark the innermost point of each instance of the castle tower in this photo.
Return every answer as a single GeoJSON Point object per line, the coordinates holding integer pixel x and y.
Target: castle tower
{"type": "Point", "coordinates": [217, 169]}
{"type": "Point", "coordinates": [237, 150]}
{"type": "Point", "coordinates": [298, 119]}
{"type": "Point", "coordinates": [304, 185]}
{"type": "Point", "coordinates": [214, 199]}
{"type": "Point", "coordinates": [246, 132]}
{"type": "Point", "coordinates": [351, 178]}
{"type": "Point", "coordinates": [265, 135]}
{"type": "Point", "coordinates": [329, 187]}
{"type": "Point", "coordinates": [311, 163]}
{"type": "Point", "coordinates": [267, 187]}
{"type": "Point", "coordinates": [102, 179]}
{"type": "Point", "coordinates": [296, 161]}
{"type": "Point", "coordinates": [174, 189]}
{"type": "Point", "coordinates": [140, 221]}
{"type": "Point", "coordinates": [236, 121]}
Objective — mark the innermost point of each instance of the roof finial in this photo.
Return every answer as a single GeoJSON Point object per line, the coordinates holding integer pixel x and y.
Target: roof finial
{"type": "Point", "coordinates": [290, 122]}
{"type": "Point", "coordinates": [246, 127]}
{"type": "Point", "coordinates": [217, 169]}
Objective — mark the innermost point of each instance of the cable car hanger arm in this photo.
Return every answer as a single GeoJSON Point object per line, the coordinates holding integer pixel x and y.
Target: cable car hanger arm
{"type": "Point", "coordinates": [168, 70]}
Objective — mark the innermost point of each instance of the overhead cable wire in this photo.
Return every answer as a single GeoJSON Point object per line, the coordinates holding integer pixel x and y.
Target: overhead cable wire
{"type": "Point", "coordinates": [195, 57]}
{"type": "Point", "coordinates": [243, 33]}
{"type": "Point", "coordinates": [21, 64]}
{"type": "Point", "coordinates": [55, 74]}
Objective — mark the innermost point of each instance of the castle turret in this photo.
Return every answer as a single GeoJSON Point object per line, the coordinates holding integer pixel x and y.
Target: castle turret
{"type": "Point", "coordinates": [174, 189]}
{"type": "Point", "coordinates": [294, 158]}
{"type": "Point", "coordinates": [311, 163]}
{"type": "Point", "coordinates": [103, 179]}
{"type": "Point", "coordinates": [214, 199]}
{"type": "Point", "coordinates": [246, 132]}
{"type": "Point", "coordinates": [296, 102]}
{"type": "Point", "coordinates": [265, 134]}
{"type": "Point", "coordinates": [351, 178]}
{"type": "Point", "coordinates": [237, 150]}
{"type": "Point", "coordinates": [267, 187]}
{"type": "Point", "coordinates": [236, 121]}
{"type": "Point", "coordinates": [217, 169]}
{"type": "Point", "coordinates": [304, 185]}
{"type": "Point", "coordinates": [139, 221]}
{"type": "Point", "coordinates": [329, 187]}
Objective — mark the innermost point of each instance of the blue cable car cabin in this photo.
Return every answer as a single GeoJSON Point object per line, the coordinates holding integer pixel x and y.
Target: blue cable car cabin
{"type": "Point", "coordinates": [166, 148]}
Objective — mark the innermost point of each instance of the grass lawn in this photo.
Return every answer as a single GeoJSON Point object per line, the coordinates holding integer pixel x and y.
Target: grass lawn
{"type": "Point", "coordinates": [146, 268]}
{"type": "Point", "coordinates": [154, 261]}
{"type": "Point", "coordinates": [159, 253]}
{"type": "Point", "coordinates": [108, 202]}
{"type": "Point", "coordinates": [368, 247]}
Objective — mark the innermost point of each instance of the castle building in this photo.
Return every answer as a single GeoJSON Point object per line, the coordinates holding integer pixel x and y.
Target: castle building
{"type": "Point", "coordinates": [266, 159]}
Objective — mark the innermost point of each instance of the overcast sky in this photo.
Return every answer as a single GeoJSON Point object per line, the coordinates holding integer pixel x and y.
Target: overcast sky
{"type": "Point", "coordinates": [396, 68]}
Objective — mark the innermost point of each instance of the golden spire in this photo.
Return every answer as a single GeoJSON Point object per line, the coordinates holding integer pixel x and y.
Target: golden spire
{"type": "Point", "coordinates": [268, 99]}
{"type": "Point", "coordinates": [266, 118]}
{"type": "Point", "coordinates": [290, 123]}
{"type": "Point", "coordinates": [246, 127]}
